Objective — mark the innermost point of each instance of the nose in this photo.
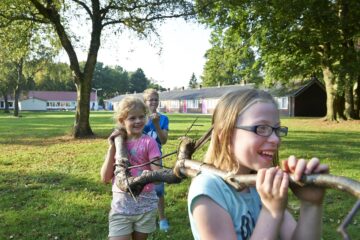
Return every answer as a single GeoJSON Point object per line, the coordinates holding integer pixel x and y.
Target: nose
{"type": "Point", "coordinates": [274, 138]}
{"type": "Point", "coordinates": [138, 119]}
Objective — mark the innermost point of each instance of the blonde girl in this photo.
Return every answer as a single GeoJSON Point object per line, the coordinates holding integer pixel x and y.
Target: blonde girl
{"type": "Point", "coordinates": [157, 127]}
{"type": "Point", "coordinates": [245, 139]}
{"type": "Point", "coordinates": [129, 218]}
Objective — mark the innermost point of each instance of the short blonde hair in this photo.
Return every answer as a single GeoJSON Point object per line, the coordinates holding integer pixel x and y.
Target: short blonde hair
{"type": "Point", "coordinates": [127, 104]}
{"type": "Point", "coordinates": [149, 92]}
{"type": "Point", "coordinates": [224, 119]}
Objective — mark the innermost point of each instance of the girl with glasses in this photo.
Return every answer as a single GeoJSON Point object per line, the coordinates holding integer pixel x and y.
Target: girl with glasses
{"type": "Point", "coordinates": [245, 139]}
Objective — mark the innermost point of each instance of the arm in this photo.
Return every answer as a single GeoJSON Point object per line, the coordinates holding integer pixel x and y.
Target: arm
{"type": "Point", "coordinates": [309, 225]}
{"type": "Point", "coordinates": [161, 133]}
{"type": "Point", "coordinates": [107, 169]}
{"type": "Point", "coordinates": [212, 221]}
{"type": "Point", "coordinates": [272, 186]}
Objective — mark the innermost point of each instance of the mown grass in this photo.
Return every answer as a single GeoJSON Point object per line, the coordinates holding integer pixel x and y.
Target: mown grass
{"type": "Point", "coordinates": [50, 188]}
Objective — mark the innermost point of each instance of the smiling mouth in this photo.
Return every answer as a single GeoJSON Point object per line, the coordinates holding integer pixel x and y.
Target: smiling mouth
{"type": "Point", "coordinates": [269, 155]}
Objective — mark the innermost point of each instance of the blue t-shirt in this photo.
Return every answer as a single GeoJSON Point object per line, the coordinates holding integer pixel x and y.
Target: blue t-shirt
{"type": "Point", "coordinates": [150, 130]}
{"type": "Point", "coordinates": [243, 208]}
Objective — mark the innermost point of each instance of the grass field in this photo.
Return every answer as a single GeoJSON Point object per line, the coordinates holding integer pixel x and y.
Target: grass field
{"type": "Point", "coordinates": [50, 186]}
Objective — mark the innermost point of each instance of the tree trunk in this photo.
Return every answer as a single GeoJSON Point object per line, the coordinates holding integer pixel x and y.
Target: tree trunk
{"type": "Point", "coordinates": [82, 124]}
{"type": "Point", "coordinates": [349, 101]}
{"type": "Point", "coordinates": [6, 101]}
{"type": "Point", "coordinates": [330, 93]}
{"type": "Point", "coordinates": [19, 84]}
{"type": "Point", "coordinates": [357, 99]}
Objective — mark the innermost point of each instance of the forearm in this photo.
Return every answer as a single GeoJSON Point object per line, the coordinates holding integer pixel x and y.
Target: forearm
{"type": "Point", "coordinates": [161, 133]}
{"type": "Point", "coordinates": [268, 225]}
{"type": "Point", "coordinates": [309, 225]}
{"type": "Point", "coordinates": [107, 169]}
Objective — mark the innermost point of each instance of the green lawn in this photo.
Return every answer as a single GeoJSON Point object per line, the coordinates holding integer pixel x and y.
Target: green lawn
{"type": "Point", "coordinates": [50, 186]}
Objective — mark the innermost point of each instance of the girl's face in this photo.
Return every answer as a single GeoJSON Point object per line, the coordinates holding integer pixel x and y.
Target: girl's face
{"type": "Point", "coordinates": [251, 150]}
{"type": "Point", "coordinates": [152, 101]}
{"type": "Point", "coordinates": [134, 122]}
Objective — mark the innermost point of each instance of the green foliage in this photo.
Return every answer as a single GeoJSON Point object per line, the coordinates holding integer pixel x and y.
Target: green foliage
{"type": "Point", "coordinates": [112, 80]}
{"type": "Point", "coordinates": [138, 81]}
{"type": "Point", "coordinates": [50, 189]}
{"type": "Point", "coordinates": [193, 81]}
{"type": "Point", "coordinates": [140, 16]}
{"type": "Point", "coordinates": [285, 41]}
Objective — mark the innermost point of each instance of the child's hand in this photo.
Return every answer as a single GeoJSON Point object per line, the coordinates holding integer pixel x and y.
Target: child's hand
{"type": "Point", "coordinates": [114, 134]}
{"type": "Point", "coordinates": [299, 167]}
{"type": "Point", "coordinates": [272, 186]}
{"type": "Point", "coordinates": [155, 118]}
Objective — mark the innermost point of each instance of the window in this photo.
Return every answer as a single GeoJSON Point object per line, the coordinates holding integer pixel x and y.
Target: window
{"type": "Point", "coordinates": [211, 103]}
{"type": "Point", "coordinates": [282, 102]}
{"type": "Point", "coordinates": [174, 104]}
{"type": "Point", "coordinates": [192, 103]}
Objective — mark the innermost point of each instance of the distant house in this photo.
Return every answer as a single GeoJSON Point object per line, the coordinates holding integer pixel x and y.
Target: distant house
{"type": "Point", "coordinates": [48, 100]}
{"type": "Point", "coordinates": [306, 100]}
{"type": "Point", "coordinates": [200, 100]}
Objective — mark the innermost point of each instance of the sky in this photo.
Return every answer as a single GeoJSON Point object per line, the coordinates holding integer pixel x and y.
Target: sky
{"type": "Point", "coordinates": [183, 48]}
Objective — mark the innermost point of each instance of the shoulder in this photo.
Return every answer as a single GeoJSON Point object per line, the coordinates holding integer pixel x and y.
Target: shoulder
{"type": "Point", "coordinates": [208, 185]}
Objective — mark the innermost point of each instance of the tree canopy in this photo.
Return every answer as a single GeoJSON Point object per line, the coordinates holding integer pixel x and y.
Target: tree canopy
{"type": "Point", "coordinates": [139, 16]}
{"type": "Point", "coordinates": [294, 40]}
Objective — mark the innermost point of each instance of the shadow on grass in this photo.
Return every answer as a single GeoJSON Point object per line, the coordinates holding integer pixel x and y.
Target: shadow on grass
{"type": "Point", "coordinates": [329, 145]}
{"type": "Point", "coordinates": [52, 206]}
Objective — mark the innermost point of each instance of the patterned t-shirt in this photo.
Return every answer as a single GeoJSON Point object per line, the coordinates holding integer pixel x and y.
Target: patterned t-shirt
{"type": "Point", "coordinates": [243, 208]}
{"type": "Point", "coordinates": [140, 151]}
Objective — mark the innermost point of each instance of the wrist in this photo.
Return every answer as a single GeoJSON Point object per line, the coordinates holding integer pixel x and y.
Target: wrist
{"type": "Point", "coordinates": [311, 204]}
{"type": "Point", "coordinates": [274, 213]}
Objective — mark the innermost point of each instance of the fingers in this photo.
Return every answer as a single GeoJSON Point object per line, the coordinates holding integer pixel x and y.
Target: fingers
{"type": "Point", "coordinates": [300, 166]}
{"type": "Point", "coordinates": [113, 135]}
{"type": "Point", "coordinates": [272, 182]}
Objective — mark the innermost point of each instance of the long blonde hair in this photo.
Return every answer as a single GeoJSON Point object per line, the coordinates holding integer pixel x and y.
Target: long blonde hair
{"type": "Point", "coordinates": [225, 116]}
{"type": "Point", "coordinates": [127, 104]}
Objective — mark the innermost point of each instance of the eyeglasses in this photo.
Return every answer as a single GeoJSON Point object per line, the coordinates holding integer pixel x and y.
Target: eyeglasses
{"type": "Point", "coordinates": [152, 100]}
{"type": "Point", "coordinates": [265, 130]}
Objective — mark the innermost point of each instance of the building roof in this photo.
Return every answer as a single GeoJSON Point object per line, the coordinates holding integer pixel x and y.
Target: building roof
{"type": "Point", "coordinates": [65, 96]}
{"type": "Point", "coordinates": [198, 93]}
{"type": "Point", "coordinates": [295, 90]}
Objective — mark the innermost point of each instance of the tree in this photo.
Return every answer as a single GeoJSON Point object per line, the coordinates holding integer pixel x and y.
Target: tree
{"type": "Point", "coordinates": [112, 80]}
{"type": "Point", "coordinates": [230, 60]}
{"type": "Point", "coordinates": [140, 16]}
{"type": "Point", "coordinates": [54, 77]}
{"type": "Point", "coordinates": [24, 49]}
{"type": "Point", "coordinates": [138, 81]}
{"type": "Point", "coordinates": [297, 40]}
{"type": "Point", "coordinates": [7, 80]}
{"type": "Point", "coordinates": [193, 81]}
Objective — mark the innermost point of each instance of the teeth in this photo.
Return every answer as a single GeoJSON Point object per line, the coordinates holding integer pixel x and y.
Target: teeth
{"type": "Point", "coordinates": [268, 153]}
